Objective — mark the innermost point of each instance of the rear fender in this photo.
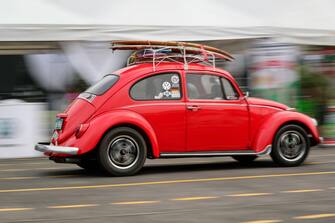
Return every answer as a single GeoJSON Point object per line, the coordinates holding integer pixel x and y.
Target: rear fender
{"type": "Point", "coordinates": [268, 129]}
{"type": "Point", "coordinates": [102, 123]}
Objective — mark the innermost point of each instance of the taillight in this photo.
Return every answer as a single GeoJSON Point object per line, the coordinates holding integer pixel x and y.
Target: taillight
{"type": "Point", "coordinates": [60, 121]}
{"type": "Point", "coordinates": [81, 130]}
{"type": "Point", "coordinates": [59, 124]}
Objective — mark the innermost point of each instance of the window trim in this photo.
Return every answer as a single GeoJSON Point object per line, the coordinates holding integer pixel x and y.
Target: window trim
{"type": "Point", "coordinates": [156, 74]}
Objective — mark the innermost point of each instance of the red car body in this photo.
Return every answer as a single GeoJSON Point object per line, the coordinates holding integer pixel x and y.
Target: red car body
{"type": "Point", "coordinates": [175, 128]}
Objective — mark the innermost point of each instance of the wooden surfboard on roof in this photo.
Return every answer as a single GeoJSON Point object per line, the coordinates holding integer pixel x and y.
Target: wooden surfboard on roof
{"type": "Point", "coordinates": [189, 48]}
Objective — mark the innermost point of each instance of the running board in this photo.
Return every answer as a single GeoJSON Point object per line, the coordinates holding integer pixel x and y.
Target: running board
{"type": "Point", "coordinates": [266, 151]}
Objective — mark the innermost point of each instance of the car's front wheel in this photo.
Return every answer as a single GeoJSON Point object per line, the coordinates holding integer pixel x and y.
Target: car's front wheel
{"type": "Point", "coordinates": [290, 146]}
{"type": "Point", "coordinates": [122, 151]}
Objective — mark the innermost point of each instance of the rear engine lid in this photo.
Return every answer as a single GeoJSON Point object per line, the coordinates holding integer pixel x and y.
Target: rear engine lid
{"type": "Point", "coordinates": [83, 107]}
{"type": "Point", "coordinates": [78, 112]}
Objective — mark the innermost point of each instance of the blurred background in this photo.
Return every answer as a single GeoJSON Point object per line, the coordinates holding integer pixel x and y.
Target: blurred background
{"type": "Point", "coordinates": [51, 50]}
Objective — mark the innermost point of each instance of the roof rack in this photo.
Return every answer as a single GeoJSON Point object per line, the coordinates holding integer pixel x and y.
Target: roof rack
{"type": "Point", "coordinates": [156, 52]}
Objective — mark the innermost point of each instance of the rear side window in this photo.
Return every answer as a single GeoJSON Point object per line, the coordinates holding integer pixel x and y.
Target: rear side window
{"type": "Point", "coordinates": [204, 86]}
{"type": "Point", "coordinates": [229, 90]}
{"type": "Point", "coordinates": [158, 87]}
{"type": "Point", "coordinates": [103, 85]}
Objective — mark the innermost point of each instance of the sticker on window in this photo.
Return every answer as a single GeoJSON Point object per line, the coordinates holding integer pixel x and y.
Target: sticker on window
{"type": "Point", "coordinates": [167, 94]}
{"type": "Point", "coordinates": [159, 96]}
{"type": "Point", "coordinates": [175, 93]}
{"type": "Point", "coordinates": [166, 86]}
{"type": "Point", "coordinates": [175, 79]}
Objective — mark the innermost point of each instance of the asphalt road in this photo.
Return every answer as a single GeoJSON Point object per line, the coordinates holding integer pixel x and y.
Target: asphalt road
{"type": "Point", "coordinates": [171, 190]}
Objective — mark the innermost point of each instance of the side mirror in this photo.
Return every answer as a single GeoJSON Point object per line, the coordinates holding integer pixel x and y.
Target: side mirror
{"type": "Point", "coordinates": [246, 94]}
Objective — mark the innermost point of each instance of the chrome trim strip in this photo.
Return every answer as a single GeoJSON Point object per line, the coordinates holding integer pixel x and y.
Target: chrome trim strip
{"type": "Point", "coordinates": [201, 154]}
{"type": "Point", "coordinates": [153, 104]}
{"type": "Point", "coordinates": [186, 103]}
{"type": "Point", "coordinates": [264, 152]}
{"type": "Point", "coordinates": [265, 106]}
{"type": "Point", "coordinates": [57, 149]}
{"type": "Point", "coordinates": [221, 103]}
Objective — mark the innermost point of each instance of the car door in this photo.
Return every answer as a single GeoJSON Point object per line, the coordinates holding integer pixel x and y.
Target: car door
{"type": "Point", "coordinates": [217, 116]}
{"type": "Point", "coordinates": [158, 98]}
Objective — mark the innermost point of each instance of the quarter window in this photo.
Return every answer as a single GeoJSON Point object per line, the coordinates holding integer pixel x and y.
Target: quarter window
{"type": "Point", "coordinates": [229, 90]}
{"type": "Point", "coordinates": [159, 87]}
{"type": "Point", "coordinates": [204, 86]}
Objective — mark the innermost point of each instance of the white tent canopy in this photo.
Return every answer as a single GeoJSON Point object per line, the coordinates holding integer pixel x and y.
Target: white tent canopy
{"type": "Point", "coordinates": [310, 21]}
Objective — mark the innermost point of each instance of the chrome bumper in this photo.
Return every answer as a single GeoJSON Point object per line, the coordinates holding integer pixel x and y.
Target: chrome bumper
{"type": "Point", "coordinates": [57, 149]}
{"type": "Point", "coordinates": [321, 139]}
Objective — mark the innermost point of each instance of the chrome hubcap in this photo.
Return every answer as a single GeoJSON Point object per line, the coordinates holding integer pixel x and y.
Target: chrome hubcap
{"type": "Point", "coordinates": [123, 152]}
{"type": "Point", "coordinates": [292, 145]}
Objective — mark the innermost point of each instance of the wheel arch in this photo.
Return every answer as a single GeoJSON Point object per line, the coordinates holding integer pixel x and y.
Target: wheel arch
{"type": "Point", "coordinates": [103, 123]}
{"type": "Point", "coordinates": [302, 125]}
{"type": "Point", "coordinates": [150, 152]}
{"type": "Point", "coordinates": [270, 127]}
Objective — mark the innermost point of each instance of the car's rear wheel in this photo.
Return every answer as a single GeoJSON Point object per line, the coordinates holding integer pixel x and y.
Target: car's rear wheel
{"type": "Point", "coordinates": [245, 159]}
{"type": "Point", "coordinates": [290, 146]}
{"type": "Point", "coordinates": [122, 151]}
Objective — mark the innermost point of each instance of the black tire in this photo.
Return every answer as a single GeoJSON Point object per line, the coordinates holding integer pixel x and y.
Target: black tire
{"type": "Point", "coordinates": [89, 165]}
{"type": "Point", "coordinates": [245, 159]}
{"type": "Point", "coordinates": [122, 152]}
{"type": "Point", "coordinates": [290, 146]}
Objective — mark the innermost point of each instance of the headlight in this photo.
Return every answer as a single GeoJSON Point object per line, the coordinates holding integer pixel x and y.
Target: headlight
{"type": "Point", "coordinates": [315, 122]}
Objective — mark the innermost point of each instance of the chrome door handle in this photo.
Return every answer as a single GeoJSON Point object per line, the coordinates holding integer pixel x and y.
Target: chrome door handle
{"type": "Point", "coordinates": [193, 107]}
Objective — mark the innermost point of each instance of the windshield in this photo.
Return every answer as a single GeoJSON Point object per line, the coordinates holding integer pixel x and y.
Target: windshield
{"type": "Point", "coordinates": [103, 85]}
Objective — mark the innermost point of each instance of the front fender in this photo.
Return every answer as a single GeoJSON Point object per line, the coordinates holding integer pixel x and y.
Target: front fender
{"type": "Point", "coordinates": [268, 129]}
{"type": "Point", "coordinates": [102, 123]}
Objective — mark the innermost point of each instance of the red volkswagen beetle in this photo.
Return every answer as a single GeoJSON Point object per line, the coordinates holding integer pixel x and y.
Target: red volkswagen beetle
{"type": "Point", "coordinates": [159, 108]}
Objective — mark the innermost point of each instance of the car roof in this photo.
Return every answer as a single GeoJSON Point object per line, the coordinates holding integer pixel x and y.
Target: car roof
{"type": "Point", "coordinates": [143, 68]}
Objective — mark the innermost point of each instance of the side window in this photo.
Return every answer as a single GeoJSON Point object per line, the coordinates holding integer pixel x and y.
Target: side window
{"type": "Point", "coordinates": [229, 90]}
{"type": "Point", "coordinates": [203, 86]}
{"type": "Point", "coordinates": [158, 87]}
